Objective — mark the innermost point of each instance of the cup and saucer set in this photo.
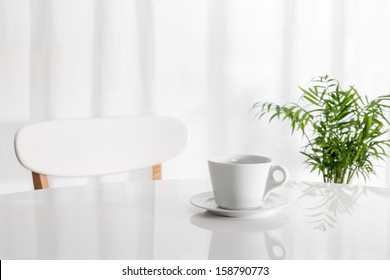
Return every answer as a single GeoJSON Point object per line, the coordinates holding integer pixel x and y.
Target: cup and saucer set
{"type": "Point", "coordinates": [243, 187]}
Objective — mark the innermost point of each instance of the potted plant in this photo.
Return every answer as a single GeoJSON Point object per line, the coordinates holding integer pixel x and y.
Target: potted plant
{"type": "Point", "coordinates": [344, 131]}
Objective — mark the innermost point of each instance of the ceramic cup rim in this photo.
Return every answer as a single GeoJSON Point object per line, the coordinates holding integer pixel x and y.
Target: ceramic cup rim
{"type": "Point", "coordinates": [229, 159]}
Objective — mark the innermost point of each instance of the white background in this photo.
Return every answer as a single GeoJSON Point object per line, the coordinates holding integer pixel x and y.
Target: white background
{"type": "Point", "coordinates": [205, 62]}
{"type": "Point", "coordinates": [303, 270]}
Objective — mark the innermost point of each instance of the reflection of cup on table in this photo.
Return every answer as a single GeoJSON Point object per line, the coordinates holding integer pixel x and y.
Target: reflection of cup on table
{"type": "Point", "coordinates": [243, 181]}
{"type": "Point", "coordinates": [242, 238]}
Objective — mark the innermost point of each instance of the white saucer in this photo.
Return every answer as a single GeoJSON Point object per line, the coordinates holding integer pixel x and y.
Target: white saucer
{"type": "Point", "coordinates": [206, 201]}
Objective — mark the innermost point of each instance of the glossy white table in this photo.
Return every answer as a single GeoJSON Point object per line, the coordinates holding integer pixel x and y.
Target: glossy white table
{"type": "Point", "coordinates": [154, 220]}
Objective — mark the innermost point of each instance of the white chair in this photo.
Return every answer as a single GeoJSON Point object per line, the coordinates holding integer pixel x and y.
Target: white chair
{"type": "Point", "coordinates": [98, 146]}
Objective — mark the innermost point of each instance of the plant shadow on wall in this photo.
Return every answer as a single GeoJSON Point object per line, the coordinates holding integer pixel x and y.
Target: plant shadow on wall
{"type": "Point", "coordinates": [345, 132]}
{"type": "Point", "coordinates": [323, 203]}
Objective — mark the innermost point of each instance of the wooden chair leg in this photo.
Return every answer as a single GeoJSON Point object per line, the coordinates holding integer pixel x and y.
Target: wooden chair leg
{"type": "Point", "coordinates": [156, 172]}
{"type": "Point", "coordinates": [40, 181]}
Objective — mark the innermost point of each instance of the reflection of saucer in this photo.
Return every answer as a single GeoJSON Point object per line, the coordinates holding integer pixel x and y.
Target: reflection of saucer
{"type": "Point", "coordinates": [206, 201]}
{"type": "Point", "coordinates": [208, 221]}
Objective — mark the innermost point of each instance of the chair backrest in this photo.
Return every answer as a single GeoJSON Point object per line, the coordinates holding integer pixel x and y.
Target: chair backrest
{"type": "Point", "coordinates": [98, 146]}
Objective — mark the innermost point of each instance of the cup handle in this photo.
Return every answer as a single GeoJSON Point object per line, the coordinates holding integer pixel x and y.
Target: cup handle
{"type": "Point", "coordinates": [272, 242]}
{"type": "Point", "coordinates": [272, 183]}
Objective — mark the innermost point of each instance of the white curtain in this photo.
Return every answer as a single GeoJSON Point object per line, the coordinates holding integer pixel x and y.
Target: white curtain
{"type": "Point", "coordinates": [203, 61]}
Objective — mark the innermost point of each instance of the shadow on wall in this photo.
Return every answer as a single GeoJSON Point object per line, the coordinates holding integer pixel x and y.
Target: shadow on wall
{"type": "Point", "coordinates": [13, 176]}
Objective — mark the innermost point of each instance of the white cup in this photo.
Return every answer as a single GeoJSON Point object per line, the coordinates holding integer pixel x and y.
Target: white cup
{"type": "Point", "coordinates": [243, 181]}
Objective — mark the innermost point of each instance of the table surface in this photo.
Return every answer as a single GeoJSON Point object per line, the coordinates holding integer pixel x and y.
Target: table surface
{"type": "Point", "coordinates": [155, 220]}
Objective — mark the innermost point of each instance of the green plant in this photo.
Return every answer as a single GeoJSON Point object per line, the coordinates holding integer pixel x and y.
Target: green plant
{"type": "Point", "coordinates": [345, 132]}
